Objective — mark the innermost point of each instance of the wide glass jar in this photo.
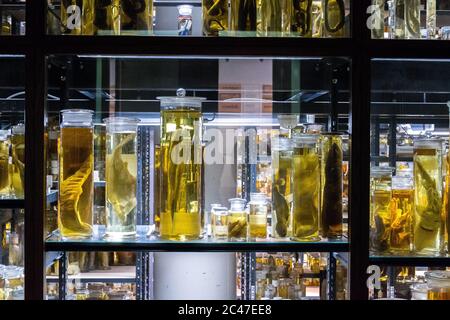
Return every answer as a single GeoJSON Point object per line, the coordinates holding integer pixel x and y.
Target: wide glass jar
{"type": "Point", "coordinates": [121, 174]}
{"type": "Point", "coordinates": [380, 208]}
{"type": "Point", "coordinates": [237, 220]}
{"type": "Point", "coordinates": [331, 184]}
{"type": "Point", "coordinates": [282, 191]}
{"type": "Point", "coordinates": [181, 167]}
{"type": "Point", "coordinates": [243, 15]}
{"type": "Point", "coordinates": [136, 16]}
{"type": "Point", "coordinates": [76, 163]}
{"type": "Point", "coordinates": [306, 186]}
{"type": "Point", "coordinates": [402, 211]}
{"type": "Point", "coordinates": [18, 161]}
{"type": "Point", "coordinates": [257, 216]}
{"type": "Point", "coordinates": [5, 143]}
{"type": "Point", "coordinates": [273, 18]}
{"type": "Point", "coordinates": [438, 285]}
{"type": "Point", "coordinates": [428, 222]}
{"type": "Point", "coordinates": [215, 16]}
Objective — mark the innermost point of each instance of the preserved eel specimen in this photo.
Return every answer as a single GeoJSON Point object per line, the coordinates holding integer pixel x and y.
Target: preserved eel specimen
{"type": "Point", "coordinates": [302, 17]}
{"type": "Point", "coordinates": [243, 15]}
{"type": "Point", "coordinates": [215, 17]}
{"type": "Point", "coordinates": [107, 16]}
{"type": "Point", "coordinates": [334, 17]}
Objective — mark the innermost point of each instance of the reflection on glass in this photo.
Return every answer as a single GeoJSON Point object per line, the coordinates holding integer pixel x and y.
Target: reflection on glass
{"type": "Point", "coordinates": [237, 220]}
{"type": "Point", "coordinates": [412, 19]}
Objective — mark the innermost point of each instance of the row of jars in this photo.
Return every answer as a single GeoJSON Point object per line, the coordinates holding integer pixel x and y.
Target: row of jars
{"type": "Point", "coordinates": [409, 211]}
{"type": "Point", "coordinates": [322, 18]}
{"type": "Point", "coordinates": [11, 283]}
{"type": "Point", "coordinates": [12, 162]}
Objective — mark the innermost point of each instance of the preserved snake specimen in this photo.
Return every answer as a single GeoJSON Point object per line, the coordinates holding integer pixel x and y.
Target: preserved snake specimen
{"type": "Point", "coordinates": [302, 17]}
{"type": "Point", "coordinates": [215, 17]}
{"type": "Point", "coordinates": [136, 15]}
{"type": "Point", "coordinates": [334, 17]}
{"type": "Point", "coordinates": [107, 16]}
{"type": "Point", "coordinates": [243, 15]}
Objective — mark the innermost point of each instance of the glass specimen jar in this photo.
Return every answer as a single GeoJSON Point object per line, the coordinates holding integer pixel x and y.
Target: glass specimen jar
{"type": "Point", "coordinates": [258, 216]}
{"type": "Point", "coordinates": [302, 18]}
{"type": "Point", "coordinates": [107, 17]}
{"type": "Point", "coordinates": [378, 15]}
{"type": "Point", "coordinates": [215, 16]}
{"type": "Point", "coordinates": [380, 208]}
{"type": "Point", "coordinates": [333, 18]}
{"type": "Point", "coordinates": [402, 208]}
{"type": "Point", "coordinates": [77, 17]}
{"type": "Point", "coordinates": [219, 223]}
{"type": "Point", "coordinates": [181, 167]}
{"type": "Point", "coordinates": [5, 187]}
{"type": "Point", "coordinates": [431, 19]}
{"type": "Point", "coordinates": [331, 184]}
{"type": "Point", "coordinates": [412, 19]}
{"type": "Point", "coordinates": [273, 17]}
{"type": "Point", "coordinates": [428, 222]}
{"type": "Point", "coordinates": [243, 15]}
{"type": "Point", "coordinates": [121, 173]}
{"type": "Point", "coordinates": [306, 185]}
{"type": "Point", "coordinates": [282, 193]}
{"type": "Point", "coordinates": [399, 22]}
{"type": "Point", "coordinates": [136, 16]}
{"type": "Point", "coordinates": [237, 220]}
{"type": "Point", "coordinates": [438, 285]}
{"type": "Point", "coordinates": [18, 160]}
{"type": "Point", "coordinates": [76, 163]}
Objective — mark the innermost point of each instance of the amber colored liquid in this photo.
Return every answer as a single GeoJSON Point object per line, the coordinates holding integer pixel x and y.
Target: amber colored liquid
{"type": "Point", "coordinates": [237, 225]}
{"type": "Point", "coordinates": [438, 294]}
{"type": "Point", "coordinates": [4, 169]}
{"type": "Point", "coordinates": [76, 192]}
{"type": "Point", "coordinates": [18, 165]}
{"type": "Point", "coordinates": [215, 16]}
{"type": "Point", "coordinates": [138, 18]}
{"type": "Point", "coordinates": [258, 226]}
{"type": "Point", "coordinates": [401, 219]}
{"type": "Point", "coordinates": [282, 194]}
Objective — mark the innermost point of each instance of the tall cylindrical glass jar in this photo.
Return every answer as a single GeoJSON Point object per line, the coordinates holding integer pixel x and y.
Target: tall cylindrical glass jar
{"type": "Point", "coordinates": [282, 192]}
{"type": "Point", "coordinates": [428, 222]}
{"type": "Point", "coordinates": [274, 17]}
{"type": "Point", "coordinates": [5, 185]}
{"type": "Point", "coordinates": [402, 209]}
{"type": "Point", "coordinates": [243, 15]}
{"type": "Point", "coordinates": [76, 163]}
{"type": "Point", "coordinates": [333, 12]}
{"type": "Point", "coordinates": [380, 211]}
{"type": "Point", "coordinates": [302, 17]}
{"type": "Point", "coordinates": [378, 14]}
{"type": "Point", "coordinates": [136, 16]}
{"type": "Point", "coordinates": [306, 186]}
{"type": "Point", "coordinates": [215, 16]}
{"type": "Point", "coordinates": [331, 184]}
{"type": "Point", "coordinates": [18, 160]}
{"type": "Point", "coordinates": [412, 19]}
{"type": "Point", "coordinates": [121, 173]}
{"type": "Point", "coordinates": [257, 216]}
{"type": "Point", "coordinates": [107, 17]}
{"type": "Point", "coordinates": [431, 19]}
{"type": "Point", "coordinates": [399, 22]}
{"type": "Point", "coordinates": [181, 167]}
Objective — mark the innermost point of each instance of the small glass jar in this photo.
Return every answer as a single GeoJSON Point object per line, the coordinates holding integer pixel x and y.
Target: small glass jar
{"type": "Point", "coordinates": [76, 187]}
{"type": "Point", "coordinates": [237, 220]}
{"type": "Point", "coordinates": [428, 221]}
{"type": "Point", "coordinates": [219, 223]}
{"type": "Point", "coordinates": [215, 16]}
{"type": "Point", "coordinates": [18, 161]}
{"type": "Point", "coordinates": [306, 177]}
{"type": "Point", "coordinates": [121, 177]}
{"type": "Point", "coordinates": [258, 216]}
{"type": "Point", "coordinates": [380, 213]}
{"type": "Point", "coordinates": [438, 285]}
{"type": "Point", "coordinates": [5, 183]}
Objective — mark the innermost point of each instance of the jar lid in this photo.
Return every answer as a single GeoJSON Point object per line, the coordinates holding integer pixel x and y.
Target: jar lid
{"type": "Point", "coordinates": [381, 171]}
{"type": "Point", "coordinates": [181, 100]}
{"type": "Point", "coordinates": [77, 115]}
{"type": "Point", "coordinates": [18, 129]}
{"type": "Point", "coordinates": [438, 275]}
{"type": "Point", "coordinates": [428, 143]}
{"type": "Point", "coordinates": [185, 9]}
{"type": "Point", "coordinates": [288, 121]}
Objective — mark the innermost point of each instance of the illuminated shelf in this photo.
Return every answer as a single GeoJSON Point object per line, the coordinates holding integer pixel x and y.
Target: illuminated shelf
{"type": "Point", "coordinates": [116, 274]}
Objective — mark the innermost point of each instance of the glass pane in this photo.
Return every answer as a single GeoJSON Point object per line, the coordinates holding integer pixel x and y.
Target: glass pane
{"type": "Point", "coordinates": [12, 14]}
{"type": "Point", "coordinates": [243, 18]}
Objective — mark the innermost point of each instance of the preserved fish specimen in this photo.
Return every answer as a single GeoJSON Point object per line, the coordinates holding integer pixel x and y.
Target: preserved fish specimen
{"type": "Point", "coordinates": [274, 17]}
{"type": "Point", "coordinates": [412, 19]}
{"type": "Point", "coordinates": [107, 16]}
{"type": "Point", "coordinates": [378, 27]}
{"type": "Point", "coordinates": [18, 160]}
{"type": "Point", "coordinates": [121, 173]}
{"type": "Point", "coordinates": [76, 158]}
{"type": "Point", "coordinates": [258, 216]}
{"type": "Point", "coordinates": [4, 164]}
{"type": "Point", "coordinates": [317, 27]}
{"type": "Point", "coordinates": [219, 217]}
{"type": "Point", "coordinates": [306, 183]}
{"type": "Point", "coordinates": [302, 17]}
{"type": "Point", "coordinates": [402, 206]}
{"type": "Point", "coordinates": [215, 16]}
{"type": "Point", "coordinates": [243, 15]}
{"type": "Point", "coordinates": [282, 192]}
{"type": "Point", "coordinates": [331, 184]}
{"type": "Point", "coordinates": [237, 220]}
{"type": "Point", "coordinates": [380, 208]}
{"type": "Point", "coordinates": [431, 19]}
{"type": "Point", "coordinates": [136, 15]}
{"type": "Point", "coordinates": [427, 196]}
{"type": "Point", "coordinates": [77, 17]}
{"type": "Point", "coordinates": [181, 168]}
{"type": "Point", "coordinates": [333, 18]}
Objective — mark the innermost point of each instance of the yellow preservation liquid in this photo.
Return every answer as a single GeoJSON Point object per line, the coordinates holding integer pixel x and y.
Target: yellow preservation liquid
{"type": "Point", "coordinates": [257, 216]}
{"type": "Point", "coordinates": [306, 171]}
{"type": "Point", "coordinates": [243, 15]}
{"type": "Point", "coordinates": [107, 17]}
{"type": "Point", "coordinates": [274, 17]}
{"type": "Point", "coordinates": [215, 16]}
{"type": "Point", "coordinates": [303, 18]}
{"type": "Point", "coordinates": [121, 173]}
{"type": "Point", "coordinates": [77, 17]}
{"type": "Point", "coordinates": [136, 16]}
{"type": "Point", "coordinates": [428, 222]}
{"type": "Point", "coordinates": [333, 18]}
{"type": "Point", "coordinates": [76, 192]}
{"type": "Point", "coordinates": [237, 220]}
{"type": "Point", "coordinates": [18, 161]}
{"type": "Point", "coordinates": [4, 165]}
{"type": "Point", "coordinates": [401, 219]}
